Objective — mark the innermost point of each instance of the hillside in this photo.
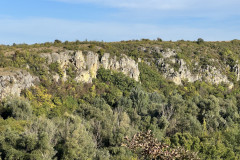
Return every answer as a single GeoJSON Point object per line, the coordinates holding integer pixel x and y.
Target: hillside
{"type": "Point", "coordinates": [80, 100]}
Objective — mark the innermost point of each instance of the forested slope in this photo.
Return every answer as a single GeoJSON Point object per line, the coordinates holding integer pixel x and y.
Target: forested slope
{"type": "Point", "coordinates": [81, 100]}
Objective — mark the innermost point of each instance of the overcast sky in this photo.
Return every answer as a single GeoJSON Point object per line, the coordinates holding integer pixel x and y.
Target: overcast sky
{"type": "Point", "coordinates": [36, 21]}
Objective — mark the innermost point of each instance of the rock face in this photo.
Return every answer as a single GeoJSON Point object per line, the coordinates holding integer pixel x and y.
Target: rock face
{"type": "Point", "coordinates": [13, 81]}
{"type": "Point", "coordinates": [126, 65]}
{"type": "Point", "coordinates": [177, 70]}
{"type": "Point", "coordinates": [169, 65]}
{"type": "Point", "coordinates": [87, 64]}
{"type": "Point", "coordinates": [236, 69]}
{"type": "Point", "coordinates": [168, 53]}
{"type": "Point", "coordinates": [210, 73]}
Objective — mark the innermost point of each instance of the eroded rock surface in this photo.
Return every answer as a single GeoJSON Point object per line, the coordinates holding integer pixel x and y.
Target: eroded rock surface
{"type": "Point", "coordinates": [178, 70]}
{"type": "Point", "coordinates": [87, 64]}
{"type": "Point", "coordinates": [170, 65]}
{"type": "Point", "coordinates": [13, 81]}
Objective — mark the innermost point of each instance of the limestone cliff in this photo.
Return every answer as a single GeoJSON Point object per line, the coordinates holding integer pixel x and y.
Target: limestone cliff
{"type": "Point", "coordinates": [87, 64]}
{"type": "Point", "coordinates": [13, 81]}
{"type": "Point", "coordinates": [177, 69]}
{"type": "Point", "coordinates": [171, 66]}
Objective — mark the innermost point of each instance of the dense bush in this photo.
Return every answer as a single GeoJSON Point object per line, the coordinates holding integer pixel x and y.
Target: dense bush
{"type": "Point", "coordinates": [18, 108]}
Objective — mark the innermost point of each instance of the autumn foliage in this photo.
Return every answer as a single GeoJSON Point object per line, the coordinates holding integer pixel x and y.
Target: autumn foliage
{"type": "Point", "coordinates": [147, 147]}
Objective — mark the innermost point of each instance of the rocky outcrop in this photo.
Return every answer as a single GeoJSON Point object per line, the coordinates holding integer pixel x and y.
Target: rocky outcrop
{"type": "Point", "coordinates": [168, 53]}
{"type": "Point", "coordinates": [13, 81]}
{"type": "Point", "coordinates": [87, 64]}
{"type": "Point", "coordinates": [177, 70]}
{"type": "Point", "coordinates": [126, 65]}
{"type": "Point", "coordinates": [236, 70]}
{"type": "Point", "coordinates": [173, 68]}
{"type": "Point", "coordinates": [210, 73]}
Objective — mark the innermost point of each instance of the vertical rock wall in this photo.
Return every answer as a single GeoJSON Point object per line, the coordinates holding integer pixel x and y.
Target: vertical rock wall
{"type": "Point", "coordinates": [88, 64]}
{"type": "Point", "coordinates": [13, 81]}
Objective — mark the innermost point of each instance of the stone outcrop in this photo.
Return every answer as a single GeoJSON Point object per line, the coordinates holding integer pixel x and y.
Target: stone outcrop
{"type": "Point", "coordinates": [169, 65]}
{"type": "Point", "coordinates": [13, 81]}
{"type": "Point", "coordinates": [176, 75]}
{"type": "Point", "coordinates": [87, 64]}
{"type": "Point", "coordinates": [126, 65]}
{"type": "Point", "coordinates": [168, 53]}
{"type": "Point", "coordinates": [182, 71]}
{"type": "Point", "coordinates": [236, 70]}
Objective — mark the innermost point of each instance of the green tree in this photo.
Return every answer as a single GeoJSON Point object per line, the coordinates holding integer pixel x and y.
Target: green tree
{"type": "Point", "coordinates": [200, 41]}
{"type": "Point", "coordinates": [18, 108]}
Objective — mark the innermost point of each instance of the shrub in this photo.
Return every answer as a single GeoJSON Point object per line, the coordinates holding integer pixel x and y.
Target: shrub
{"type": "Point", "coordinates": [17, 108]}
{"type": "Point", "coordinates": [200, 41]}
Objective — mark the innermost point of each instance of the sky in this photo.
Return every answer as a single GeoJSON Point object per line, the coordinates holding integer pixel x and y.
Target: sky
{"type": "Point", "coordinates": [39, 21]}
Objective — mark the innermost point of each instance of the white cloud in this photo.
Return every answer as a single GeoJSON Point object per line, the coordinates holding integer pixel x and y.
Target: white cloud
{"type": "Point", "coordinates": [135, 4]}
{"type": "Point", "coordinates": [46, 29]}
{"type": "Point", "coordinates": [162, 4]}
